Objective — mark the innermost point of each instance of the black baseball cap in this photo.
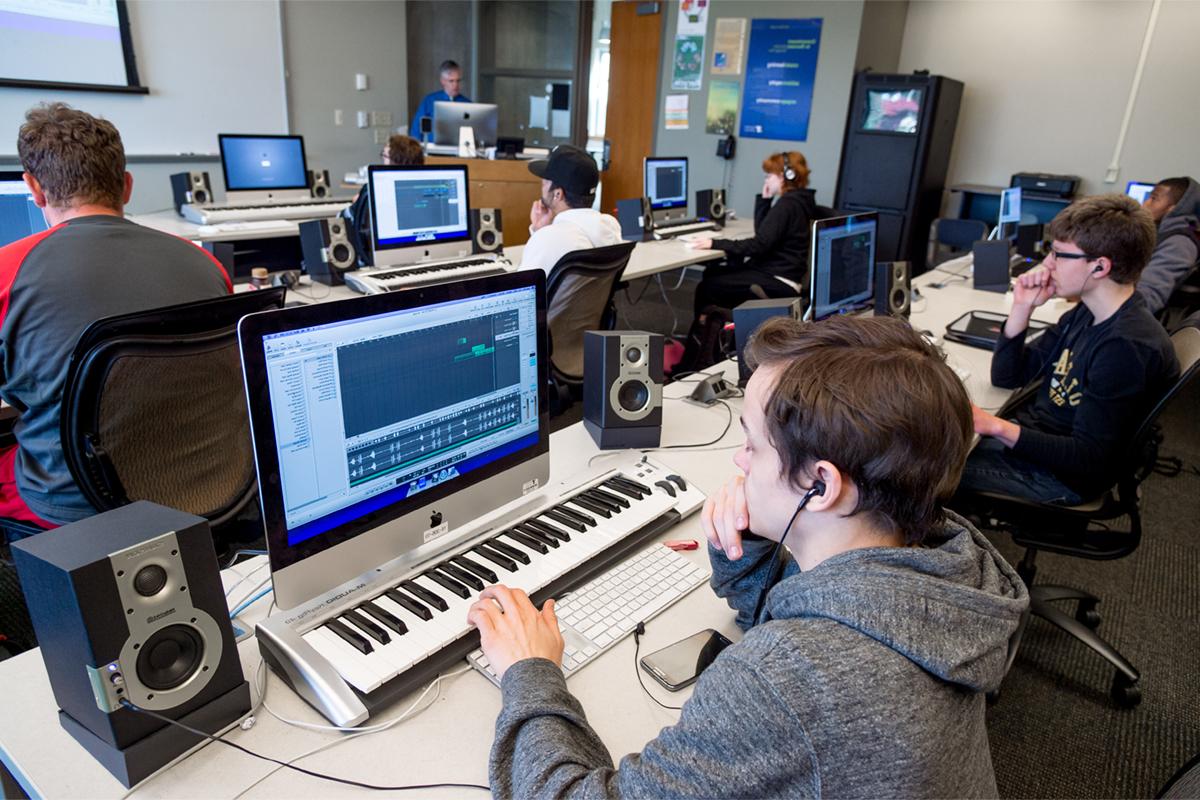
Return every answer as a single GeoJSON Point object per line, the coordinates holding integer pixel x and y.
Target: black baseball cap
{"type": "Point", "coordinates": [569, 167]}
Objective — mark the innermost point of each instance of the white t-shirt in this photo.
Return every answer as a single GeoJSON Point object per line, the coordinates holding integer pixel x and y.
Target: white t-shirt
{"type": "Point", "coordinates": [571, 230]}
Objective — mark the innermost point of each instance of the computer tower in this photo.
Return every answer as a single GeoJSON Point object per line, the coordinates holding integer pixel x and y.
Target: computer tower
{"type": "Point", "coordinates": [895, 155]}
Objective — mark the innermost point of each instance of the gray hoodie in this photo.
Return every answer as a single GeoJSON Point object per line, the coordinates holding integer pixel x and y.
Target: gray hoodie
{"type": "Point", "coordinates": [1176, 252]}
{"type": "Point", "coordinates": [867, 681]}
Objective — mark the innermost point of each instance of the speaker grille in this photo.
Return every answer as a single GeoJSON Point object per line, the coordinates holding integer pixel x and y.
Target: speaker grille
{"type": "Point", "coordinates": [633, 396]}
{"type": "Point", "coordinates": [169, 657]}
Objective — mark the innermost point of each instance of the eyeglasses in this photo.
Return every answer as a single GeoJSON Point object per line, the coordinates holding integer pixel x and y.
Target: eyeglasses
{"type": "Point", "coordinates": [1058, 254]}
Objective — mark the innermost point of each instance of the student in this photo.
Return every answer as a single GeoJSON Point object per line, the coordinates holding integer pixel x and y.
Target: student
{"type": "Point", "coordinates": [1102, 365]}
{"type": "Point", "coordinates": [450, 76]}
{"type": "Point", "coordinates": [864, 673]}
{"type": "Point", "coordinates": [1175, 205]}
{"type": "Point", "coordinates": [562, 220]}
{"type": "Point", "coordinates": [400, 151]}
{"type": "Point", "coordinates": [778, 252]}
{"type": "Point", "coordinates": [92, 263]}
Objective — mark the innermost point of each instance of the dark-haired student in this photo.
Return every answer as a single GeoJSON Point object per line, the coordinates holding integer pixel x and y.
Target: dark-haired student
{"type": "Point", "coordinates": [776, 258]}
{"type": "Point", "coordinates": [877, 633]}
{"type": "Point", "coordinates": [1174, 203]}
{"type": "Point", "coordinates": [92, 263]}
{"type": "Point", "coordinates": [1103, 365]}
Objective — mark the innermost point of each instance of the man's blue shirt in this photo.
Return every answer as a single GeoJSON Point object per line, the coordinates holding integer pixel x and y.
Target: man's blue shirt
{"type": "Point", "coordinates": [426, 109]}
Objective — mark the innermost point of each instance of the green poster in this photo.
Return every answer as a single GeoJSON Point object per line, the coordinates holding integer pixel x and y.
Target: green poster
{"type": "Point", "coordinates": [721, 116]}
{"type": "Point", "coordinates": [689, 63]}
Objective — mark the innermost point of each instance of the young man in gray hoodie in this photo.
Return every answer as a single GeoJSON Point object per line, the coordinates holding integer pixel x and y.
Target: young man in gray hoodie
{"type": "Point", "coordinates": [871, 636]}
{"type": "Point", "coordinates": [1175, 205]}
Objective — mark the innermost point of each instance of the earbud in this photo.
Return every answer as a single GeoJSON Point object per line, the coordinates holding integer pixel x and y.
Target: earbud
{"type": "Point", "coordinates": [1097, 269]}
{"type": "Point", "coordinates": [818, 488]}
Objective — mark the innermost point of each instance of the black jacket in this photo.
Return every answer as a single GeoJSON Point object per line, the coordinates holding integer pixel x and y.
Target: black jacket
{"type": "Point", "coordinates": [781, 235]}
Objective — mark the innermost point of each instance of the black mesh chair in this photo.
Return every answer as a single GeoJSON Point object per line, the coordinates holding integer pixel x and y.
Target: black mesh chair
{"type": "Point", "coordinates": [1101, 529]}
{"type": "Point", "coordinates": [950, 238]}
{"type": "Point", "coordinates": [579, 297]}
{"type": "Point", "coordinates": [154, 408]}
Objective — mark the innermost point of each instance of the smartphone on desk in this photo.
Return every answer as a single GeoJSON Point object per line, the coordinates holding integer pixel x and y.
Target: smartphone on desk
{"type": "Point", "coordinates": [680, 664]}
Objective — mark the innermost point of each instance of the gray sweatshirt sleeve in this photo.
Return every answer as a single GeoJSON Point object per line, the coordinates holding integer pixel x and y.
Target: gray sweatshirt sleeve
{"type": "Point", "coordinates": [1171, 262]}
{"type": "Point", "coordinates": [726, 742]}
{"type": "Point", "coordinates": [743, 582]}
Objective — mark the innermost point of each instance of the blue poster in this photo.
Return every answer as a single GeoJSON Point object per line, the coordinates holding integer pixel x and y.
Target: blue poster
{"type": "Point", "coordinates": [780, 73]}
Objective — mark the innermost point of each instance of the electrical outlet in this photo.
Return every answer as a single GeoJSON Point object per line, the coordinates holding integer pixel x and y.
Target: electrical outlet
{"type": "Point", "coordinates": [381, 136]}
{"type": "Point", "coordinates": [383, 119]}
{"type": "Point", "coordinates": [362, 119]}
{"type": "Point", "coordinates": [338, 117]}
{"type": "Point", "coordinates": [360, 81]}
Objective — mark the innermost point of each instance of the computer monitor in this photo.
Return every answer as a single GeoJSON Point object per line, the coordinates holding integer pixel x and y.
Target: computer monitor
{"type": "Point", "coordinates": [385, 426]}
{"type": "Point", "coordinates": [448, 117]}
{"type": "Point", "coordinates": [19, 217]}
{"type": "Point", "coordinates": [260, 167]}
{"type": "Point", "coordinates": [1139, 190]}
{"type": "Point", "coordinates": [842, 264]}
{"type": "Point", "coordinates": [667, 186]}
{"type": "Point", "coordinates": [418, 213]}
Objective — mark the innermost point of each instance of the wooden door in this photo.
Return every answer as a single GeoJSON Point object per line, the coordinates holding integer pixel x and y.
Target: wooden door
{"type": "Point", "coordinates": [632, 92]}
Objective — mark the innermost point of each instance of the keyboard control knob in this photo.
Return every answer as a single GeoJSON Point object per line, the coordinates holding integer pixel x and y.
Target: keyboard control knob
{"type": "Point", "coordinates": [678, 481]}
{"type": "Point", "coordinates": [667, 487]}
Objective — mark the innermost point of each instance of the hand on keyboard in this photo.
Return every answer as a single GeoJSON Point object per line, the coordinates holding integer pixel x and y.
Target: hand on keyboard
{"type": "Point", "coordinates": [697, 241]}
{"type": "Point", "coordinates": [511, 629]}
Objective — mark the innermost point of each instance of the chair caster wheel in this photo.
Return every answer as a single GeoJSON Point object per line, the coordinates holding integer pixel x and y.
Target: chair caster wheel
{"type": "Point", "coordinates": [1089, 617]}
{"type": "Point", "coordinates": [1125, 692]}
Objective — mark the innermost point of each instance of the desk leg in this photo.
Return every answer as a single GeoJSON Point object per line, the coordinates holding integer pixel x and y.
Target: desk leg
{"type": "Point", "coordinates": [9, 788]}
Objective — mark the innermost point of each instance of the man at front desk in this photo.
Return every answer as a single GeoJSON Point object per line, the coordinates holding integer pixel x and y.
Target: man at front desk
{"type": "Point", "coordinates": [869, 646]}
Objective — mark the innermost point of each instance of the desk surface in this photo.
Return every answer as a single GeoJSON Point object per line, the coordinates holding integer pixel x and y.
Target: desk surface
{"type": "Point", "coordinates": [450, 738]}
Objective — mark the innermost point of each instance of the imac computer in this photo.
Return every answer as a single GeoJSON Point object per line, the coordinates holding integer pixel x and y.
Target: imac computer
{"type": "Point", "coordinates": [19, 216]}
{"type": "Point", "coordinates": [842, 264]}
{"type": "Point", "coordinates": [263, 167]}
{"type": "Point", "coordinates": [448, 117]}
{"type": "Point", "coordinates": [418, 213]}
{"type": "Point", "coordinates": [385, 425]}
{"type": "Point", "coordinates": [1139, 190]}
{"type": "Point", "coordinates": [667, 187]}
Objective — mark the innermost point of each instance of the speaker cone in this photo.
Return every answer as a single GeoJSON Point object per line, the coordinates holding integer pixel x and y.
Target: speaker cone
{"type": "Point", "coordinates": [341, 254]}
{"type": "Point", "coordinates": [487, 238]}
{"type": "Point", "coordinates": [633, 396]}
{"type": "Point", "coordinates": [169, 657]}
{"type": "Point", "coordinates": [199, 196]}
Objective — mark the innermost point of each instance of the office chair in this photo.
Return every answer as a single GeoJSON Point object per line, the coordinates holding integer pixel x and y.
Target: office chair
{"type": "Point", "coordinates": [579, 297]}
{"type": "Point", "coordinates": [1101, 529]}
{"type": "Point", "coordinates": [1183, 303]}
{"type": "Point", "coordinates": [950, 238]}
{"type": "Point", "coordinates": [154, 408]}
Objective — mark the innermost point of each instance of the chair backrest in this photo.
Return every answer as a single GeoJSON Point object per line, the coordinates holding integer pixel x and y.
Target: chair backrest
{"type": "Point", "coordinates": [949, 237]}
{"type": "Point", "coordinates": [1186, 342]}
{"type": "Point", "coordinates": [154, 408]}
{"type": "Point", "coordinates": [579, 293]}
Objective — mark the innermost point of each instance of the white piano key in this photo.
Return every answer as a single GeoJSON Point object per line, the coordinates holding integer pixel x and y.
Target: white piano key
{"type": "Point", "coordinates": [349, 663]}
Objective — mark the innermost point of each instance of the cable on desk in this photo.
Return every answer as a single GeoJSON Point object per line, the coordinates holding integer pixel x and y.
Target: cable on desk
{"type": "Point", "coordinates": [247, 603]}
{"type": "Point", "coordinates": [233, 559]}
{"type": "Point", "coordinates": [720, 436]}
{"type": "Point", "coordinates": [637, 646]}
{"type": "Point", "coordinates": [245, 578]}
{"type": "Point", "coordinates": [662, 290]}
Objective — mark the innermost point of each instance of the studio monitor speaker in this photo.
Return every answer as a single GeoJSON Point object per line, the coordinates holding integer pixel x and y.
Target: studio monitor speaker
{"type": "Point", "coordinates": [636, 218]}
{"type": "Point", "coordinates": [622, 388]}
{"type": "Point", "coordinates": [327, 250]}
{"type": "Point", "coordinates": [710, 205]}
{"type": "Point", "coordinates": [318, 183]}
{"type": "Point", "coordinates": [893, 289]}
{"type": "Point", "coordinates": [191, 188]}
{"type": "Point", "coordinates": [128, 606]}
{"type": "Point", "coordinates": [487, 233]}
{"type": "Point", "coordinates": [749, 317]}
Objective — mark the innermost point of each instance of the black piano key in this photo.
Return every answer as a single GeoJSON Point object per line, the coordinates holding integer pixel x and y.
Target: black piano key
{"type": "Point", "coordinates": [590, 505]}
{"type": "Point", "coordinates": [448, 582]}
{"type": "Point", "coordinates": [547, 528]}
{"type": "Point", "coordinates": [610, 497]}
{"type": "Point", "coordinates": [462, 575]}
{"type": "Point", "coordinates": [545, 538]}
{"type": "Point", "coordinates": [596, 497]}
{"type": "Point", "coordinates": [357, 620]}
{"type": "Point", "coordinates": [570, 522]}
{"type": "Point", "coordinates": [641, 487]}
{"type": "Point", "coordinates": [424, 595]}
{"type": "Point", "coordinates": [404, 601]}
{"type": "Point", "coordinates": [384, 617]}
{"type": "Point", "coordinates": [628, 491]}
{"type": "Point", "coordinates": [352, 638]}
{"type": "Point", "coordinates": [533, 543]}
{"type": "Point", "coordinates": [575, 513]}
{"type": "Point", "coordinates": [502, 561]}
{"type": "Point", "coordinates": [507, 549]}
{"type": "Point", "coordinates": [477, 568]}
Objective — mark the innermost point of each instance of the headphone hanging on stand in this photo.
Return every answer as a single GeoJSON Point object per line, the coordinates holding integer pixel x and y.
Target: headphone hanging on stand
{"type": "Point", "coordinates": [789, 174]}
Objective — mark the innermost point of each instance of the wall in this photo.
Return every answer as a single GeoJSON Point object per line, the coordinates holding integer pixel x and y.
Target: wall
{"type": "Point", "coordinates": [1047, 83]}
{"type": "Point", "coordinates": [326, 43]}
{"type": "Point", "coordinates": [431, 41]}
{"type": "Point", "coordinates": [831, 92]}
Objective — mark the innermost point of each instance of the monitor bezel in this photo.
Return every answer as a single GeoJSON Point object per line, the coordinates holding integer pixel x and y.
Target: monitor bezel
{"type": "Point", "coordinates": [1130, 184]}
{"type": "Point", "coordinates": [18, 176]}
{"type": "Point", "coordinates": [258, 190]}
{"type": "Point", "coordinates": [820, 225]}
{"type": "Point", "coordinates": [395, 254]}
{"type": "Point", "coordinates": [251, 331]}
{"type": "Point", "coordinates": [665, 206]}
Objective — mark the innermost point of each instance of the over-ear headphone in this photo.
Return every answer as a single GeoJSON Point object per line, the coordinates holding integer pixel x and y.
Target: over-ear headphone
{"type": "Point", "coordinates": [788, 173]}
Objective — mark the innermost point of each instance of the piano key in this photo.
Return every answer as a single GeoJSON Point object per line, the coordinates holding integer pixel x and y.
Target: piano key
{"type": "Point", "coordinates": [588, 504]}
{"type": "Point", "coordinates": [563, 519]}
{"type": "Point", "coordinates": [401, 599]}
{"type": "Point", "coordinates": [641, 487]}
{"type": "Point", "coordinates": [576, 514]}
{"type": "Point", "coordinates": [462, 575]}
{"type": "Point", "coordinates": [628, 491]}
{"type": "Point", "coordinates": [449, 583]}
{"type": "Point", "coordinates": [549, 564]}
{"type": "Point", "coordinates": [429, 635]}
{"type": "Point", "coordinates": [596, 497]}
{"type": "Point", "coordinates": [424, 593]}
{"type": "Point", "coordinates": [547, 528]}
{"type": "Point", "coordinates": [610, 496]}
{"type": "Point", "coordinates": [544, 538]}
{"type": "Point", "coordinates": [399, 653]}
{"type": "Point", "coordinates": [479, 569]}
{"type": "Point", "coordinates": [503, 547]}
{"type": "Point", "coordinates": [502, 561]}
{"type": "Point", "coordinates": [456, 607]}
{"type": "Point", "coordinates": [356, 620]}
{"type": "Point", "coordinates": [386, 618]}
{"type": "Point", "coordinates": [351, 637]}
{"type": "Point", "coordinates": [347, 661]}
{"type": "Point", "coordinates": [531, 542]}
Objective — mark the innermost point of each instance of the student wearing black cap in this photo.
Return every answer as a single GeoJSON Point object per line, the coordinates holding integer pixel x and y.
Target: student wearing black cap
{"type": "Point", "coordinates": [563, 220]}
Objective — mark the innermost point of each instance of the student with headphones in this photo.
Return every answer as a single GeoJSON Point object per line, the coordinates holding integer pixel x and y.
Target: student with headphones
{"type": "Point", "coordinates": [1102, 366]}
{"type": "Point", "coordinates": [875, 621]}
{"type": "Point", "coordinates": [775, 259]}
